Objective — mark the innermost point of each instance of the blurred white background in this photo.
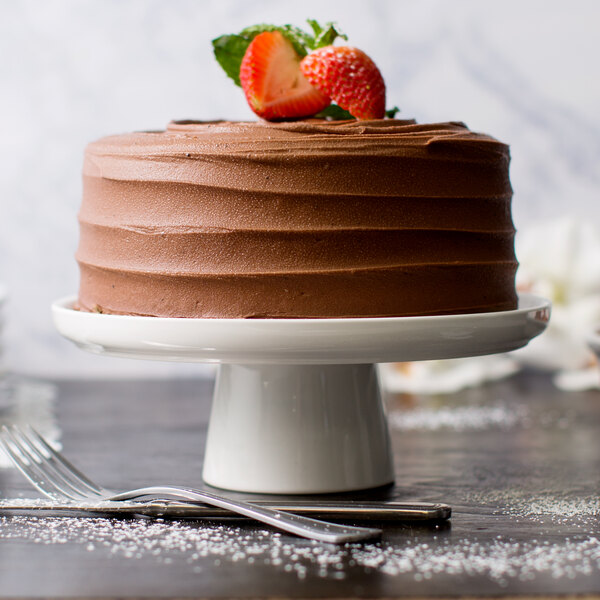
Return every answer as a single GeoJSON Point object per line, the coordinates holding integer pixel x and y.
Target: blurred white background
{"type": "Point", "coordinates": [525, 71]}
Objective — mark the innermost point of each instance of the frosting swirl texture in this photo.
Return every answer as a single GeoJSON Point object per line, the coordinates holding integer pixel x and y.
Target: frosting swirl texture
{"type": "Point", "coordinates": [297, 219]}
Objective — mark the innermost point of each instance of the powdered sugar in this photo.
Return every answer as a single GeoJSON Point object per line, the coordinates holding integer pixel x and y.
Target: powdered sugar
{"type": "Point", "coordinates": [460, 418]}
{"type": "Point", "coordinates": [500, 560]}
{"type": "Point", "coordinates": [578, 511]}
{"type": "Point", "coordinates": [495, 415]}
{"type": "Point", "coordinates": [208, 544]}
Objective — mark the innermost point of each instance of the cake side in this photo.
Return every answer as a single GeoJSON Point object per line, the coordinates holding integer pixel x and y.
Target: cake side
{"type": "Point", "coordinates": [299, 219]}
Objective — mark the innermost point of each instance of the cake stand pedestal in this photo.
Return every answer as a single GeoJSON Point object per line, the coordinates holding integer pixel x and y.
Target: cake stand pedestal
{"type": "Point", "coordinates": [297, 407]}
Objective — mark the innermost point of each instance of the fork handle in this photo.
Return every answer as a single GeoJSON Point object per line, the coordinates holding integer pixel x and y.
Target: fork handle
{"type": "Point", "coordinates": [302, 526]}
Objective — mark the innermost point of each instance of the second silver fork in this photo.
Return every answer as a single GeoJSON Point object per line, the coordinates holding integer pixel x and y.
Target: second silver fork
{"type": "Point", "coordinates": [53, 475]}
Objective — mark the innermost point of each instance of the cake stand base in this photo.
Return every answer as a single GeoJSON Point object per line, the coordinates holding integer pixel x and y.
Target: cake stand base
{"type": "Point", "coordinates": [298, 429]}
{"type": "Point", "coordinates": [297, 407]}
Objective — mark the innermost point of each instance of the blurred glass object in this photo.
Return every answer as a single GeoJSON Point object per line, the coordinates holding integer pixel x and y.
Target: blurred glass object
{"type": "Point", "coordinates": [23, 400]}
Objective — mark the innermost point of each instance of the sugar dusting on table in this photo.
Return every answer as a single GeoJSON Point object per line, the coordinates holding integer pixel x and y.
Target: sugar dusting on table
{"type": "Point", "coordinates": [581, 511]}
{"type": "Point", "coordinates": [459, 418]}
{"type": "Point", "coordinates": [428, 416]}
{"type": "Point", "coordinates": [213, 545]}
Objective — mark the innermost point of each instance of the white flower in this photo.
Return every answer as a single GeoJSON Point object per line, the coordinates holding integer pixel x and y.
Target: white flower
{"type": "Point", "coordinates": [561, 261]}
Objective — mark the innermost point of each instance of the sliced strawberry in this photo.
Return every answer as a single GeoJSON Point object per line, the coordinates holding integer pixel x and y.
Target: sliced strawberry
{"type": "Point", "coordinates": [273, 83]}
{"type": "Point", "coordinates": [349, 77]}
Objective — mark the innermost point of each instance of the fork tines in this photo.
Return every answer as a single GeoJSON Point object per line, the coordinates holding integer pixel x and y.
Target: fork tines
{"type": "Point", "coordinates": [44, 467]}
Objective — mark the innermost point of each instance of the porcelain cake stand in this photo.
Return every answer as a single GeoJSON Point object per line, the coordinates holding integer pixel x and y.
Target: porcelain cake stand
{"type": "Point", "coordinates": [297, 406]}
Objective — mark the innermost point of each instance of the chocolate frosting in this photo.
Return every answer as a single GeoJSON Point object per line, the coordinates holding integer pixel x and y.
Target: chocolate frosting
{"type": "Point", "coordinates": [297, 219]}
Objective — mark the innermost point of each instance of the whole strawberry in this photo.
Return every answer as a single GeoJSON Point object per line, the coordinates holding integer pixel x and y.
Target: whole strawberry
{"type": "Point", "coordinates": [349, 77]}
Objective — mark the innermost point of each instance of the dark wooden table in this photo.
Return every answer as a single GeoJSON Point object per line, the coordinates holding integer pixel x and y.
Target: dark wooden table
{"type": "Point", "coordinates": [519, 461]}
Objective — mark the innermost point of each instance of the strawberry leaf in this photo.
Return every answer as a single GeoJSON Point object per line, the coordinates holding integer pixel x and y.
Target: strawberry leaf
{"type": "Point", "coordinates": [327, 36]}
{"type": "Point", "coordinates": [335, 113]}
{"type": "Point", "coordinates": [296, 36]}
{"type": "Point", "coordinates": [317, 29]}
{"type": "Point", "coordinates": [391, 113]}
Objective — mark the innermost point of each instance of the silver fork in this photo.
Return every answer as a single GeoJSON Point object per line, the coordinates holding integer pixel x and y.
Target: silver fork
{"type": "Point", "coordinates": [53, 475]}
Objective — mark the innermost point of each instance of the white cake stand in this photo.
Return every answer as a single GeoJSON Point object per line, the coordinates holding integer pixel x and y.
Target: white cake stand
{"type": "Point", "coordinates": [297, 406]}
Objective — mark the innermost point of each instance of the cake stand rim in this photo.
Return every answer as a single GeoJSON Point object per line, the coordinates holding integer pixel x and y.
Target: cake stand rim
{"type": "Point", "coordinates": [303, 341]}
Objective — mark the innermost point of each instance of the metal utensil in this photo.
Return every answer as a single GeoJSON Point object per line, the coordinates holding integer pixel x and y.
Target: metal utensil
{"type": "Point", "coordinates": [54, 476]}
{"type": "Point", "coordinates": [397, 512]}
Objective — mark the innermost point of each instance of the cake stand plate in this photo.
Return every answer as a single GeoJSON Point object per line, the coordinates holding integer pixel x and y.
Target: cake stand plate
{"type": "Point", "coordinates": [297, 406]}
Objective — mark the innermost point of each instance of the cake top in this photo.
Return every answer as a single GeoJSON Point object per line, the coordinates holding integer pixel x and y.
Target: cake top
{"type": "Point", "coordinates": [316, 156]}
{"type": "Point", "coordinates": [308, 136]}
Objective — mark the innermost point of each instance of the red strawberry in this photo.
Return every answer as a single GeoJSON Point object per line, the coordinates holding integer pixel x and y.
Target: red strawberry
{"type": "Point", "coordinates": [273, 83]}
{"type": "Point", "coordinates": [349, 77]}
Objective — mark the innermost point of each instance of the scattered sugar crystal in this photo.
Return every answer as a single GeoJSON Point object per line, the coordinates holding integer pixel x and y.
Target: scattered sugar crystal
{"type": "Point", "coordinates": [458, 418]}
{"type": "Point", "coordinates": [500, 559]}
{"type": "Point", "coordinates": [498, 415]}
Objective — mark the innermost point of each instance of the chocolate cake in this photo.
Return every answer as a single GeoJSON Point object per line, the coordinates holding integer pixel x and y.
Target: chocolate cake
{"type": "Point", "coordinates": [304, 219]}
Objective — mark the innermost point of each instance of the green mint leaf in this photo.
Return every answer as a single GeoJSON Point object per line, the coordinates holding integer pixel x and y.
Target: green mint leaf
{"type": "Point", "coordinates": [334, 113]}
{"type": "Point", "coordinates": [328, 35]}
{"type": "Point", "coordinates": [317, 29]}
{"type": "Point", "coordinates": [324, 36]}
{"type": "Point", "coordinates": [296, 36]}
{"type": "Point", "coordinates": [391, 113]}
{"type": "Point", "coordinates": [252, 31]}
{"type": "Point", "coordinates": [229, 51]}
{"type": "Point", "coordinates": [299, 38]}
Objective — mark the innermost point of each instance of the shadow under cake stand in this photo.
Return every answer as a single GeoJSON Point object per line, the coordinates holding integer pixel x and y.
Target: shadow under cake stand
{"type": "Point", "coordinates": [297, 406]}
